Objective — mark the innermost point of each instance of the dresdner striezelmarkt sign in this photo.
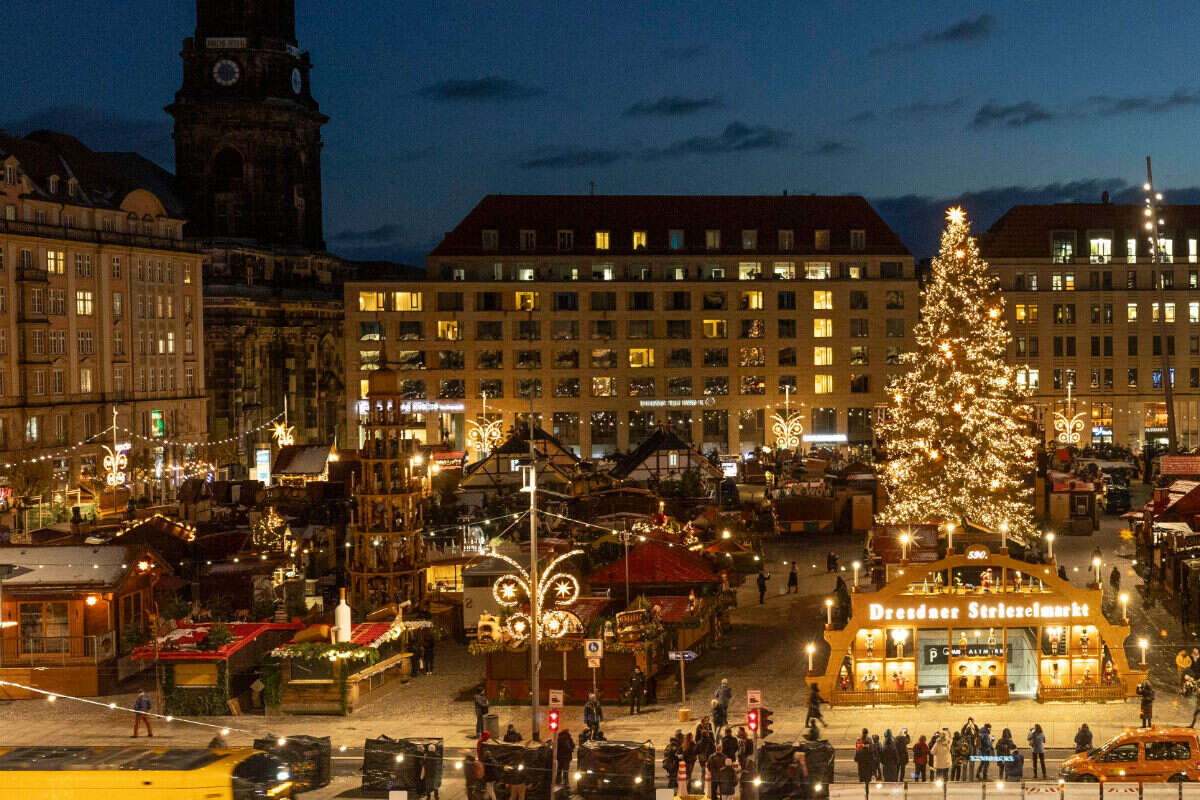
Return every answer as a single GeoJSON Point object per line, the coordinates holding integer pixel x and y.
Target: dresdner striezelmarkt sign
{"type": "Point", "coordinates": [979, 610]}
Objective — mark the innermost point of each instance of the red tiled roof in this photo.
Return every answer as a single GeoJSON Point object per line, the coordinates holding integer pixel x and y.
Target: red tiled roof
{"type": "Point", "coordinates": [620, 215]}
{"type": "Point", "coordinates": [190, 636]}
{"type": "Point", "coordinates": [674, 608]}
{"type": "Point", "coordinates": [657, 564]}
{"type": "Point", "coordinates": [1179, 465]}
{"type": "Point", "coordinates": [367, 633]}
{"type": "Point", "coordinates": [1024, 231]}
{"type": "Point", "coordinates": [588, 608]}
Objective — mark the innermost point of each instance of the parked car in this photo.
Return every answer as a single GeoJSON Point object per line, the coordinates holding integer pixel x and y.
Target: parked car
{"type": "Point", "coordinates": [1146, 755]}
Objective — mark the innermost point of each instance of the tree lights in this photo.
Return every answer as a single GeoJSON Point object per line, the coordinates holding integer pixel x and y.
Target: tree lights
{"type": "Point", "coordinates": [956, 447]}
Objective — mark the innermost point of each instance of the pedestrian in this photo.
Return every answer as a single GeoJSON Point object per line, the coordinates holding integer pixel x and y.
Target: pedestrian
{"type": "Point", "coordinates": [727, 779]}
{"type": "Point", "coordinates": [939, 754]}
{"type": "Point", "coordinates": [831, 562]}
{"type": "Point", "coordinates": [637, 690]}
{"type": "Point", "coordinates": [748, 789]}
{"type": "Point", "coordinates": [888, 762]}
{"type": "Point", "coordinates": [1015, 771]}
{"type": "Point", "coordinates": [427, 655]}
{"type": "Point", "coordinates": [1083, 739]}
{"type": "Point", "coordinates": [141, 709]}
{"type": "Point", "coordinates": [814, 706]}
{"type": "Point", "coordinates": [670, 764]}
{"type": "Point", "coordinates": [713, 766]}
{"type": "Point", "coordinates": [961, 754]}
{"type": "Point", "coordinates": [763, 577]}
{"type": "Point", "coordinates": [877, 756]}
{"type": "Point", "coordinates": [706, 745]}
{"type": "Point", "coordinates": [723, 695]}
{"type": "Point", "coordinates": [862, 759]}
{"type": "Point", "coordinates": [797, 775]}
{"type": "Point", "coordinates": [517, 781]}
{"type": "Point", "coordinates": [1037, 748]}
{"type": "Point", "coordinates": [564, 749]}
{"type": "Point", "coordinates": [920, 758]}
{"type": "Point", "coordinates": [593, 715]}
{"type": "Point", "coordinates": [745, 747]}
{"type": "Point", "coordinates": [485, 769]}
{"type": "Point", "coordinates": [793, 586]}
{"type": "Point", "coordinates": [1114, 580]}
{"type": "Point", "coordinates": [987, 748]}
{"type": "Point", "coordinates": [718, 715]}
{"type": "Point", "coordinates": [1004, 750]}
{"type": "Point", "coordinates": [705, 723]}
{"type": "Point", "coordinates": [1146, 691]}
{"type": "Point", "coordinates": [688, 754]}
{"type": "Point", "coordinates": [481, 710]}
{"type": "Point", "coordinates": [729, 745]}
{"type": "Point", "coordinates": [512, 735]}
{"type": "Point", "coordinates": [902, 752]}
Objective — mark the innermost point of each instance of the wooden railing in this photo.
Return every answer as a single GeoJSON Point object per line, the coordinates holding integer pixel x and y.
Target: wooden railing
{"type": "Point", "coordinates": [1106, 693]}
{"type": "Point", "coordinates": [994, 694]}
{"type": "Point", "coordinates": [874, 697]}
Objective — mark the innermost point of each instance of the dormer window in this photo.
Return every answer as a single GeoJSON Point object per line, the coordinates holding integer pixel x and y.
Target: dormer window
{"type": "Point", "coordinates": [601, 240]}
{"type": "Point", "coordinates": [639, 240]}
{"type": "Point", "coordinates": [10, 174]}
{"type": "Point", "coordinates": [858, 239]}
{"type": "Point", "coordinates": [528, 240]}
{"type": "Point", "coordinates": [72, 187]}
{"type": "Point", "coordinates": [53, 184]}
{"type": "Point", "coordinates": [787, 239]}
{"type": "Point", "coordinates": [566, 240]}
{"type": "Point", "coordinates": [749, 239]}
{"type": "Point", "coordinates": [821, 239]}
{"type": "Point", "coordinates": [490, 240]}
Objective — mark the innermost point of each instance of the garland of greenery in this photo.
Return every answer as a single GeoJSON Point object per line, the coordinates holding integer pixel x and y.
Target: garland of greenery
{"type": "Point", "coordinates": [341, 652]}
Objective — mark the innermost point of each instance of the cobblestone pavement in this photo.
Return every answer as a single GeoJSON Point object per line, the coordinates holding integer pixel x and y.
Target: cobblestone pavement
{"type": "Point", "coordinates": [765, 651]}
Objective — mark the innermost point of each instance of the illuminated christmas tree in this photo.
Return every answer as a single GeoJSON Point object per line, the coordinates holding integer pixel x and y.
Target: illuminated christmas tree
{"type": "Point", "coordinates": [957, 450]}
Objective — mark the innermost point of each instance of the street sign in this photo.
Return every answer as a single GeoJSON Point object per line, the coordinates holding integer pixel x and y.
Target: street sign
{"type": "Point", "coordinates": [682, 655]}
{"type": "Point", "coordinates": [593, 648]}
{"type": "Point", "coordinates": [556, 698]}
{"type": "Point", "coordinates": [593, 663]}
{"type": "Point", "coordinates": [754, 698]}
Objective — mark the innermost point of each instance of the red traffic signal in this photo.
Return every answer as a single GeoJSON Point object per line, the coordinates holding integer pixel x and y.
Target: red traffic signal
{"type": "Point", "coordinates": [752, 720]}
{"type": "Point", "coordinates": [553, 720]}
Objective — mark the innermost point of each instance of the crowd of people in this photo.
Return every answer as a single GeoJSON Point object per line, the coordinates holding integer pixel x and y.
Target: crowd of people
{"type": "Point", "coordinates": [720, 762]}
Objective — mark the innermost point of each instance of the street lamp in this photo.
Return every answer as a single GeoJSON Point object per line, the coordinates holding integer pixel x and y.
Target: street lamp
{"type": "Point", "coordinates": [856, 565]}
{"type": "Point", "coordinates": [1050, 545]}
{"type": "Point", "coordinates": [950, 537]}
{"type": "Point", "coordinates": [1096, 565]}
{"type": "Point", "coordinates": [829, 611]}
{"type": "Point", "coordinates": [1143, 644]}
{"type": "Point", "coordinates": [904, 540]}
{"type": "Point", "coordinates": [1124, 598]}
{"type": "Point", "coordinates": [810, 648]}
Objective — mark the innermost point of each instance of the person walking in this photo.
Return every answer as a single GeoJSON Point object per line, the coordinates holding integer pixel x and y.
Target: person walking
{"type": "Point", "coordinates": [427, 655]}
{"type": "Point", "coordinates": [888, 762]}
{"type": "Point", "coordinates": [723, 695]}
{"type": "Point", "coordinates": [814, 707]}
{"type": "Point", "coordinates": [729, 745]}
{"type": "Point", "coordinates": [637, 690]}
{"type": "Point", "coordinates": [688, 754]}
{"type": "Point", "coordinates": [1145, 691]}
{"type": "Point", "coordinates": [727, 779]}
{"type": "Point", "coordinates": [593, 715]}
{"type": "Point", "coordinates": [517, 780]}
{"type": "Point", "coordinates": [670, 765]}
{"type": "Point", "coordinates": [1114, 580]}
{"type": "Point", "coordinates": [920, 758]}
{"type": "Point", "coordinates": [1083, 739]}
{"type": "Point", "coordinates": [481, 710]}
{"type": "Point", "coordinates": [564, 749]}
{"type": "Point", "coordinates": [141, 708]}
{"type": "Point", "coordinates": [713, 767]}
{"type": "Point", "coordinates": [763, 577]}
{"type": "Point", "coordinates": [793, 586]}
{"type": "Point", "coordinates": [831, 562]}
{"type": "Point", "coordinates": [940, 755]}
{"type": "Point", "coordinates": [1004, 750]}
{"type": "Point", "coordinates": [1037, 748]}
{"type": "Point", "coordinates": [485, 769]}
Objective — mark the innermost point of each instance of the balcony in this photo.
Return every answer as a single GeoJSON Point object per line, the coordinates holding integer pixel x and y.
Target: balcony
{"type": "Point", "coordinates": [62, 651]}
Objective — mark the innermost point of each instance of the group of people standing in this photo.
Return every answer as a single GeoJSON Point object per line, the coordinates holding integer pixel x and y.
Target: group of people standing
{"type": "Point", "coordinates": [964, 755]}
{"type": "Point", "coordinates": [725, 760]}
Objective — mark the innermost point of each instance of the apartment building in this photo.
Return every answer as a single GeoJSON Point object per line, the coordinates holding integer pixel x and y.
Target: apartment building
{"type": "Point", "coordinates": [617, 314]}
{"type": "Point", "coordinates": [1088, 308]}
{"type": "Point", "coordinates": [100, 309]}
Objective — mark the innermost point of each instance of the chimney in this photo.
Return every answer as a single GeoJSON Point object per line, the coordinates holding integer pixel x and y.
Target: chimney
{"type": "Point", "coordinates": [1104, 197]}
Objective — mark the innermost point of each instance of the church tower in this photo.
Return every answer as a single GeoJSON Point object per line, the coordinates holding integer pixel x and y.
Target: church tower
{"type": "Point", "coordinates": [247, 129]}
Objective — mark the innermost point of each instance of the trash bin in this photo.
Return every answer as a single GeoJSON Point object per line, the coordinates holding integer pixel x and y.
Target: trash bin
{"type": "Point", "coordinates": [491, 724]}
{"type": "Point", "coordinates": [685, 715]}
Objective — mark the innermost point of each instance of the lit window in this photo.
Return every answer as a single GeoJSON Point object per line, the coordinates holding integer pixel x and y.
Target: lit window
{"type": "Point", "coordinates": [1131, 312]}
{"type": "Point", "coordinates": [823, 384]}
{"type": "Point", "coordinates": [85, 380]}
{"type": "Point", "coordinates": [785, 270]}
{"type": "Point", "coordinates": [1100, 250]}
{"type": "Point", "coordinates": [640, 357]}
{"type": "Point", "coordinates": [604, 387]}
{"type": "Point", "coordinates": [675, 239]}
{"type": "Point", "coordinates": [751, 301]}
{"type": "Point", "coordinates": [54, 262]}
{"type": "Point", "coordinates": [83, 303]}
{"type": "Point", "coordinates": [822, 328]}
{"type": "Point", "coordinates": [712, 239]}
{"type": "Point", "coordinates": [716, 329]}
{"type": "Point", "coordinates": [405, 301]}
{"type": "Point", "coordinates": [601, 240]}
{"type": "Point", "coordinates": [448, 330]}
{"type": "Point", "coordinates": [1193, 312]}
{"type": "Point", "coordinates": [749, 271]}
{"type": "Point", "coordinates": [822, 299]}
{"type": "Point", "coordinates": [1131, 251]}
{"type": "Point", "coordinates": [639, 240]}
{"type": "Point", "coordinates": [364, 387]}
{"type": "Point", "coordinates": [818, 270]}
{"type": "Point", "coordinates": [527, 301]}
{"type": "Point", "coordinates": [821, 239]}
{"type": "Point", "coordinates": [370, 301]}
{"type": "Point", "coordinates": [822, 356]}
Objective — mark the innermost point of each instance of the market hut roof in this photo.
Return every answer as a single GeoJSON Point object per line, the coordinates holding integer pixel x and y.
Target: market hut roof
{"type": "Point", "coordinates": [661, 440]}
{"type": "Point", "coordinates": [302, 460]}
{"type": "Point", "coordinates": [183, 643]}
{"type": "Point", "coordinates": [657, 564]}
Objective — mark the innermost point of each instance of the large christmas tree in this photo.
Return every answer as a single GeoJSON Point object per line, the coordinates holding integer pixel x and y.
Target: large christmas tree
{"type": "Point", "coordinates": [957, 449]}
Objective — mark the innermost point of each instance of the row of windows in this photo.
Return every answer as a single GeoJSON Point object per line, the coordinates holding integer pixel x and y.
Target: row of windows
{"type": "Point", "coordinates": [608, 386]}
{"type": "Point", "coordinates": [1099, 246]}
{"type": "Point", "coordinates": [1102, 280]}
{"type": "Point", "coordinates": [568, 330]}
{"type": "Point", "coordinates": [42, 382]}
{"type": "Point", "coordinates": [1101, 346]}
{"type": "Point", "coordinates": [603, 239]}
{"type": "Point", "coordinates": [148, 270]}
{"type": "Point", "coordinates": [1100, 378]}
{"type": "Point", "coordinates": [1102, 313]}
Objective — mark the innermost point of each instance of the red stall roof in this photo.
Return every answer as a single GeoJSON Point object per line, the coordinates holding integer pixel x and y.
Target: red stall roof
{"type": "Point", "coordinates": [182, 643]}
{"type": "Point", "coordinates": [657, 564]}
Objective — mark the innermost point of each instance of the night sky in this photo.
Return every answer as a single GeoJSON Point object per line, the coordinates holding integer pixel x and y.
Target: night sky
{"type": "Point", "coordinates": [434, 104]}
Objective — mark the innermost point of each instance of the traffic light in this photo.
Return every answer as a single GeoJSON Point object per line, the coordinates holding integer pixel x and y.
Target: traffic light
{"type": "Point", "coordinates": [553, 720]}
{"type": "Point", "coordinates": [764, 721]}
{"type": "Point", "coordinates": [752, 720]}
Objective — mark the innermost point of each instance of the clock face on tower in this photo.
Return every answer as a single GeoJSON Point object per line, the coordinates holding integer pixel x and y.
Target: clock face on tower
{"type": "Point", "coordinates": [226, 72]}
{"type": "Point", "coordinates": [297, 82]}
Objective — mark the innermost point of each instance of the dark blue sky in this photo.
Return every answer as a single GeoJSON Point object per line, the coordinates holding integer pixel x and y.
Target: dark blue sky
{"type": "Point", "coordinates": [434, 104]}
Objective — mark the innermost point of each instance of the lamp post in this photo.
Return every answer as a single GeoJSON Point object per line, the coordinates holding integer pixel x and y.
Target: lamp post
{"type": "Point", "coordinates": [810, 648]}
{"type": "Point", "coordinates": [904, 540]}
{"type": "Point", "coordinates": [829, 611]}
{"type": "Point", "coordinates": [856, 565]}
{"type": "Point", "coordinates": [1096, 565]}
{"type": "Point", "coordinates": [950, 537]}
{"type": "Point", "coordinates": [1143, 644]}
{"type": "Point", "coordinates": [1124, 598]}
{"type": "Point", "coordinates": [1050, 545]}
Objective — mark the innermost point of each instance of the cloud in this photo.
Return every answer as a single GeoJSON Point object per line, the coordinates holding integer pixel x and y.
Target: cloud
{"type": "Point", "coordinates": [672, 106]}
{"type": "Point", "coordinates": [829, 147]}
{"type": "Point", "coordinates": [1108, 105]}
{"type": "Point", "coordinates": [381, 233]}
{"type": "Point", "coordinates": [919, 109]}
{"type": "Point", "coordinates": [685, 52]}
{"type": "Point", "coordinates": [737, 137]}
{"type": "Point", "coordinates": [104, 130]}
{"type": "Point", "coordinates": [1015, 115]}
{"type": "Point", "coordinates": [570, 158]}
{"type": "Point", "coordinates": [479, 90]}
{"type": "Point", "coordinates": [967, 30]}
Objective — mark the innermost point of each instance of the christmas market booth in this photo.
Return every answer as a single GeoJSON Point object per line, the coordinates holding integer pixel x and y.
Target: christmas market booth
{"type": "Point", "coordinates": [320, 676]}
{"type": "Point", "coordinates": [977, 627]}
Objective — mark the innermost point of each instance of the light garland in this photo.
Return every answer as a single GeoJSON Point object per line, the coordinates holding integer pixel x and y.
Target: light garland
{"type": "Point", "coordinates": [553, 622]}
{"type": "Point", "coordinates": [1069, 428]}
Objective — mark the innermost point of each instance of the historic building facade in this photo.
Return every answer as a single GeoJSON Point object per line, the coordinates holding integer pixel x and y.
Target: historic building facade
{"type": "Point", "coordinates": [100, 311]}
{"type": "Point", "coordinates": [1089, 309]}
{"type": "Point", "coordinates": [621, 313]}
{"type": "Point", "coordinates": [248, 161]}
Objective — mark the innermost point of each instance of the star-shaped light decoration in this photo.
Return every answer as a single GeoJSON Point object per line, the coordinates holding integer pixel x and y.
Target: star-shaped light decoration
{"type": "Point", "coordinates": [956, 215]}
{"type": "Point", "coordinates": [284, 434]}
{"type": "Point", "coordinates": [553, 622]}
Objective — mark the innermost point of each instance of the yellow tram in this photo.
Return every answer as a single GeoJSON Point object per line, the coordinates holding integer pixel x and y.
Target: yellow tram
{"type": "Point", "coordinates": [84, 773]}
